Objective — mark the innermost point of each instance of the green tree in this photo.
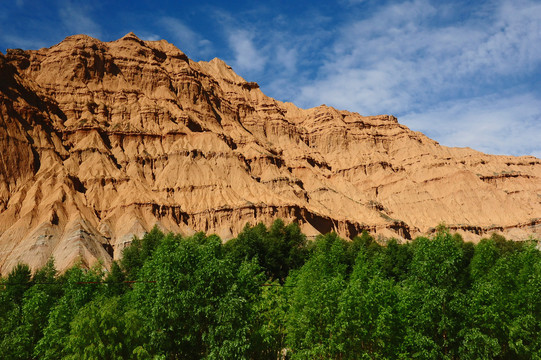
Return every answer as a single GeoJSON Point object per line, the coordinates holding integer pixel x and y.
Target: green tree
{"type": "Point", "coordinates": [317, 287]}
{"type": "Point", "coordinates": [369, 324]}
{"type": "Point", "coordinates": [271, 309]}
{"type": "Point", "coordinates": [115, 280]}
{"type": "Point", "coordinates": [285, 250]}
{"type": "Point", "coordinates": [18, 281]}
{"type": "Point", "coordinates": [503, 303]}
{"type": "Point", "coordinates": [135, 255]}
{"type": "Point", "coordinates": [431, 298]}
{"type": "Point", "coordinates": [396, 260]}
{"type": "Point", "coordinates": [478, 346]}
{"type": "Point", "coordinates": [37, 304]}
{"type": "Point", "coordinates": [103, 329]}
{"type": "Point", "coordinates": [278, 250]}
{"type": "Point", "coordinates": [201, 303]}
{"type": "Point", "coordinates": [79, 288]}
{"type": "Point", "coordinates": [13, 343]}
{"type": "Point", "coordinates": [485, 256]}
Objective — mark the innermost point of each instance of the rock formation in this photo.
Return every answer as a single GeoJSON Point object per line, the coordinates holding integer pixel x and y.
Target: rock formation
{"type": "Point", "coordinates": [100, 141]}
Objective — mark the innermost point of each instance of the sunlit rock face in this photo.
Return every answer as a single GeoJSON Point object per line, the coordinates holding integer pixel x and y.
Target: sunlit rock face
{"type": "Point", "coordinates": [100, 141]}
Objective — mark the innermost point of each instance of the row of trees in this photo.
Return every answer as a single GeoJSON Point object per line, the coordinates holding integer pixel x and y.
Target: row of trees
{"type": "Point", "coordinates": [270, 294]}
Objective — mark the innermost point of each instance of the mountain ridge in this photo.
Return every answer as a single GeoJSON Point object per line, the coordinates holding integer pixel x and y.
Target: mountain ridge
{"type": "Point", "coordinates": [102, 140]}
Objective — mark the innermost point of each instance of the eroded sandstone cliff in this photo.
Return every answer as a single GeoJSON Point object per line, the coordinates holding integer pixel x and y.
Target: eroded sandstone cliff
{"type": "Point", "coordinates": [102, 140]}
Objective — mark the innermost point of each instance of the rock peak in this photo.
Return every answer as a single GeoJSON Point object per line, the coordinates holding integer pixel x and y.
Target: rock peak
{"type": "Point", "coordinates": [220, 62]}
{"type": "Point", "coordinates": [78, 38]}
{"type": "Point", "coordinates": [131, 34]}
{"type": "Point", "coordinates": [131, 37]}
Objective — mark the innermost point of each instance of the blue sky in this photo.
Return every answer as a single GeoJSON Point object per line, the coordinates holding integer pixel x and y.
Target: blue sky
{"type": "Point", "coordinates": [463, 74]}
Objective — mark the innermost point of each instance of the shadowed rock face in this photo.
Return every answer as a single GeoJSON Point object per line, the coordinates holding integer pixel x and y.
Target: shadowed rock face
{"type": "Point", "coordinates": [101, 141]}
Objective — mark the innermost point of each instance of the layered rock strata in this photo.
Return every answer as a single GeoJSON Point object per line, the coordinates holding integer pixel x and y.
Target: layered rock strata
{"type": "Point", "coordinates": [100, 141]}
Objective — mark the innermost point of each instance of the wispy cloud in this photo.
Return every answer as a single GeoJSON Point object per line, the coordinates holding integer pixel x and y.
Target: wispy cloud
{"type": "Point", "coordinates": [408, 57]}
{"type": "Point", "coordinates": [149, 36]}
{"type": "Point", "coordinates": [401, 57]}
{"type": "Point", "coordinates": [272, 50]}
{"type": "Point", "coordinates": [15, 41]}
{"type": "Point", "coordinates": [247, 57]}
{"type": "Point", "coordinates": [495, 124]}
{"type": "Point", "coordinates": [78, 20]}
{"type": "Point", "coordinates": [187, 40]}
{"type": "Point", "coordinates": [288, 57]}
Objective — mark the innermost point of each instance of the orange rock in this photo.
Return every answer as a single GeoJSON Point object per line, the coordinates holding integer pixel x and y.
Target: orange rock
{"type": "Point", "coordinates": [101, 141]}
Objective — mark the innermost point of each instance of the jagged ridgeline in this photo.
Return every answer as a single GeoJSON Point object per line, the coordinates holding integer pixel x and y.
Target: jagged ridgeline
{"type": "Point", "coordinates": [100, 141]}
{"type": "Point", "coordinates": [271, 294]}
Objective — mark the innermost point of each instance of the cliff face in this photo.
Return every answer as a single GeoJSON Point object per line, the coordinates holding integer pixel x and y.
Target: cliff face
{"type": "Point", "coordinates": [100, 141]}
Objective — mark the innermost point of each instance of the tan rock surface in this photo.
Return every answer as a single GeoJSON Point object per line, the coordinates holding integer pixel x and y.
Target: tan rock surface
{"type": "Point", "coordinates": [100, 141]}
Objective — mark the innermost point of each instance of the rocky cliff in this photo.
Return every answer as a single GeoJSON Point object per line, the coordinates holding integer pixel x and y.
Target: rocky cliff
{"type": "Point", "coordinates": [102, 140]}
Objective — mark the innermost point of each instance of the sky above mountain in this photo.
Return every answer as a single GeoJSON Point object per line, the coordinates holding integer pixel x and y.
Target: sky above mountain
{"type": "Point", "coordinates": [464, 73]}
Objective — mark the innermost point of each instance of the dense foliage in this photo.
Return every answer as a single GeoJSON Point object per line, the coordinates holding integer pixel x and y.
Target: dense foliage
{"type": "Point", "coordinates": [270, 294]}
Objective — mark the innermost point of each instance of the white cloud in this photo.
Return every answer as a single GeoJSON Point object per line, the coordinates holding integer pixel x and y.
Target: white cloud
{"type": "Point", "coordinates": [401, 49]}
{"type": "Point", "coordinates": [509, 44]}
{"type": "Point", "coordinates": [413, 55]}
{"type": "Point", "coordinates": [77, 19]}
{"type": "Point", "coordinates": [287, 58]}
{"type": "Point", "coordinates": [187, 40]}
{"type": "Point", "coordinates": [148, 36]}
{"type": "Point", "coordinates": [247, 57]}
{"type": "Point", "coordinates": [497, 124]}
{"type": "Point", "coordinates": [273, 51]}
